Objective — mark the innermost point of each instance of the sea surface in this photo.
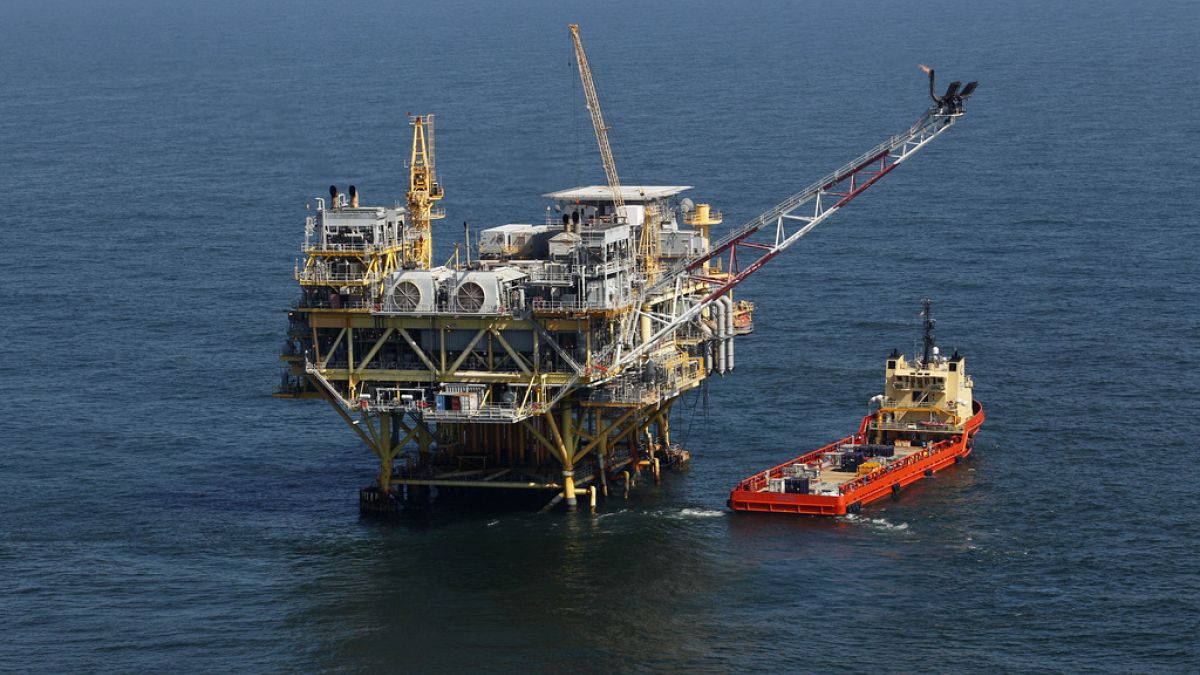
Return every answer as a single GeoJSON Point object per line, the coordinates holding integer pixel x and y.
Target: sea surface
{"type": "Point", "coordinates": [159, 511]}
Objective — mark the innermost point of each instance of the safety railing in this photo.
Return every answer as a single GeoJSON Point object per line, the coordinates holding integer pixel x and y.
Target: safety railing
{"type": "Point", "coordinates": [555, 277]}
{"type": "Point", "coordinates": [448, 306]}
{"type": "Point", "coordinates": [539, 305]}
{"type": "Point", "coordinates": [758, 481]}
{"type": "Point", "coordinates": [915, 426]}
{"type": "Point", "coordinates": [350, 247]}
{"type": "Point", "coordinates": [322, 276]}
{"type": "Point", "coordinates": [345, 303]}
{"type": "Point", "coordinates": [492, 412]}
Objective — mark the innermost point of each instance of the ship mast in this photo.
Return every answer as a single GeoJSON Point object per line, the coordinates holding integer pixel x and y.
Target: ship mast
{"type": "Point", "coordinates": [927, 314]}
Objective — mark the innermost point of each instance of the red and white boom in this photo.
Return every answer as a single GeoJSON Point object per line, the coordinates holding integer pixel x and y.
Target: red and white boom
{"type": "Point", "coordinates": [775, 230]}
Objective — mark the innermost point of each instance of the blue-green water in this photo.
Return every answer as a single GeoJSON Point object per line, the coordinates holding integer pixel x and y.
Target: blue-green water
{"type": "Point", "coordinates": [158, 510]}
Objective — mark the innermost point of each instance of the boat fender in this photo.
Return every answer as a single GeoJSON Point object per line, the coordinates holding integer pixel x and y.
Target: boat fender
{"type": "Point", "coordinates": [928, 472]}
{"type": "Point", "coordinates": [895, 488]}
{"type": "Point", "coordinates": [958, 459]}
{"type": "Point", "coordinates": [854, 507]}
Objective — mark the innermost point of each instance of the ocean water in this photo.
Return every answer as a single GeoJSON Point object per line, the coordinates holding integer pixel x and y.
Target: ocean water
{"type": "Point", "coordinates": [159, 510]}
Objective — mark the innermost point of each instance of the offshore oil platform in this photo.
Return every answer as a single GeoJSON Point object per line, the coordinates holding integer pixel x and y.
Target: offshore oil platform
{"type": "Point", "coordinates": [549, 358]}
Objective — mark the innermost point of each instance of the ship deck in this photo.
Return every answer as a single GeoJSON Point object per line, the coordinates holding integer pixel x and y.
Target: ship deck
{"type": "Point", "coordinates": [832, 479]}
{"type": "Point", "coordinates": [833, 492]}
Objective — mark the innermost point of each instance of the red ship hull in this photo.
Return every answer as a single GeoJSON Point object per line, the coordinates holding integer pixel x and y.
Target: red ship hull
{"type": "Point", "coordinates": [751, 494]}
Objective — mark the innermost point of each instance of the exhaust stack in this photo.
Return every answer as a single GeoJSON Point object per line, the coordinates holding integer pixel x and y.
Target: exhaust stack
{"type": "Point", "coordinates": [353, 197]}
{"type": "Point", "coordinates": [950, 103]}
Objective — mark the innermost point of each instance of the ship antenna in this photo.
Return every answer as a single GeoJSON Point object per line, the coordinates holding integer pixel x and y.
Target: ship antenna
{"type": "Point", "coordinates": [927, 313]}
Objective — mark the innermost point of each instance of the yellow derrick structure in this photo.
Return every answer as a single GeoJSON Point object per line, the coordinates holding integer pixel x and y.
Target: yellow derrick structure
{"type": "Point", "coordinates": [424, 192]}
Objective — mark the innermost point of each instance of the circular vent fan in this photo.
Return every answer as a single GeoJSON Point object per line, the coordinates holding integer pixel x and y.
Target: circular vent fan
{"type": "Point", "coordinates": [407, 295]}
{"type": "Point", "coordinates": [470, 296]}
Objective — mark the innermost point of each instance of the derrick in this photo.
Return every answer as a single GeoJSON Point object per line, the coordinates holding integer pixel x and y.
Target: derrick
{"type": "Point", "coordinates": [424, 192]}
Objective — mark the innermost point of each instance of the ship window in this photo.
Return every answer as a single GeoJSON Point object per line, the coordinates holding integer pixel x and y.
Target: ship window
{"type": "Point", "coordinates": [892, 365]}
{"type": "Point", "coordinates": [953, 367]}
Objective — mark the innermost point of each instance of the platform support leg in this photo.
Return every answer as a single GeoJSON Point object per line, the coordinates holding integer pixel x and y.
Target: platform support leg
{"type": "Point", "coordinates": [386, 453]}
{"type": "Point", "coordinates": [664, 425]}
{"type": "Point", "coordinates": [565, 440]}
{"type": "Point", "coordinates": [569, 488]}
{"type": "Point", "coordinates": [601, 458]}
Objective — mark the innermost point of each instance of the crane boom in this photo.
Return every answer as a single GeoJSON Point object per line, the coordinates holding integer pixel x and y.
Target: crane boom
{"type": "Point", "coordinates": [593, 104]}
{"type": "Point", "coordinates": [823, 198]}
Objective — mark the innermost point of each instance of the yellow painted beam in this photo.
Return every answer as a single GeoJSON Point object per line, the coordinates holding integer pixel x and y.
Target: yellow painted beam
{"type": "Point", "coordinates": [478, 484]}
{"type": "Point", "coordinates": [512, 353]}
{"type": "Point", "coordinates": [417, 349]}
{"type": "Point", "coordinates": [374, 350]}
{"type": "Point", "coordinates": [561, 447]}
{"type": "Point", "coordinates": [465, 353]}
{"type": "Point", "coordinates": [332, 349]}
{"type": "Point", "coordinates": [538, 435]}
{"type": "Point", "coordinates": [600, 435]}
{"type": "Point", "coordinates": [337, 406]}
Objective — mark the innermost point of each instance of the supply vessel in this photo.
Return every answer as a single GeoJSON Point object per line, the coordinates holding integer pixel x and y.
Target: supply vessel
{"type": "Point", "coordinates": [543, 358]}
{"type": "Point", "coordinates": [924, 421]}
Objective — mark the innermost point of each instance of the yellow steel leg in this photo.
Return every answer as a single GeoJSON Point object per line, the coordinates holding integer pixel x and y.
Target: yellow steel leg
{"type": "Point", "coordinates": [602, 460]}
{"type": "Point", "coordinates": [385, 453]}
{"type": "Point", "coordinates": [569, 488]}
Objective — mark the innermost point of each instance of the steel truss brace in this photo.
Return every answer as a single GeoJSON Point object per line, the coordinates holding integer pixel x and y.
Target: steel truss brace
{"type": "Point", "coordinates": [789, 221]}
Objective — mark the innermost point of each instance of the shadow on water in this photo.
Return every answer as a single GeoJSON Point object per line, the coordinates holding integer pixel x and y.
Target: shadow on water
{"type": "Point", "coordinates": [559, 585]}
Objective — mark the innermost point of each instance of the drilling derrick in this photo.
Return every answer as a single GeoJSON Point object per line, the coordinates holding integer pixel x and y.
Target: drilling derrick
{"type": "Point", "coordinates": [548, 364]}
{"type": "Point", "coordinates": [424, 192]}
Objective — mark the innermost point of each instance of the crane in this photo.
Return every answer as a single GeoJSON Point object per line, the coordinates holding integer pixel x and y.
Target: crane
{"type": "Point", "coordinates": [423, 191]}
{"type": "Point", "coordinates": [786, 223]}
{"type": "Point", "coordinates": [593, 105]}
{"type": "Point", "coordinates": [648, 244]}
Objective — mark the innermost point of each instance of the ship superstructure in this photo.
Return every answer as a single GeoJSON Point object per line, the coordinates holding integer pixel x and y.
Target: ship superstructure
{"type": "Point", "coordinates": [930, 396]}
{"type": "Point", "coordinates": [924, 421]}
{"type": "Point", "coordinates": [550, 355]}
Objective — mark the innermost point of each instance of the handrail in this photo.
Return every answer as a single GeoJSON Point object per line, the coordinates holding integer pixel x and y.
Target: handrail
{"type": "Point", "coordinates": [351, 248]}
{"type": "Point", "coordinates": [889, 467]}
{"type": "Point", "coordinates": [759, 481]}
{"type": "Point", "coordinates": [871, 166]}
